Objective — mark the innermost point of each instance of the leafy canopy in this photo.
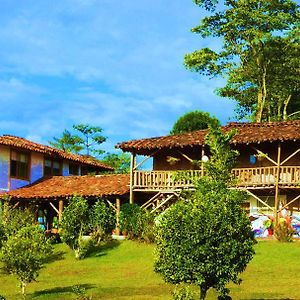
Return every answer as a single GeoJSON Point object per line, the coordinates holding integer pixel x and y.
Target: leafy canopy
{"type": "Point", "coordinates": [88, 138]}
{"type": "Point", "coordinates": [248, 29]}
{"type": "Point", "coordinates": [206, 238]}
{"type": "Point", "coordinates": [191, 121]}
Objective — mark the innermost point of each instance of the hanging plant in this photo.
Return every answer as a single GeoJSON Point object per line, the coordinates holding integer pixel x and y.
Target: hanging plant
{"type": "Point", "coordinates": [172, 160]}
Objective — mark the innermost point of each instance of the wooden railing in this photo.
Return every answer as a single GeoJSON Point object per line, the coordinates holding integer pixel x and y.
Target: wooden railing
{"type": "Point", "coordinates": [245, 177]}
{"type": "Point", "coordinates": [165, 179]}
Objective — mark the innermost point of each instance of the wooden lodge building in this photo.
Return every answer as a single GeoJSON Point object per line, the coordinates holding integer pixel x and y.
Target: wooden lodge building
{"type": "Point", "coordinates": [268, 166]}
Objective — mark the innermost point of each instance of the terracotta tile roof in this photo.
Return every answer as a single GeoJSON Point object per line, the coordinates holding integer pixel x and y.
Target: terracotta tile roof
{"type": "Point", "coordinates": [246, 133]}
{"type": "Point", "coordinates": [18, 142]}
{"type": "Point", "coordinates": [65, 186]}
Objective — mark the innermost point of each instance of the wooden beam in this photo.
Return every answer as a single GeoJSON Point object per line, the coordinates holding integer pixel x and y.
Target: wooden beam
{"type": "Point", "coordinates": [111, 205]}
{"type": "Point", "coordinates": [53, 206]}
{"type": "Point", "coordinates": [293, 200]}
{"type": "Point", "coordinates": [185, 156]}
{"type": "Point", "coordinates": [132, 167]}
{"type": "Point", "coordinates": [145, 205]}
{"type": "Point", "coordinates": [289, 157]}
{"type": "Point", "coordinates": [261, 201]}
{"type": "Point", "coordinates": [60, 209]}
{"type": "Point", "coordinates": [277, 184]}
{"type": "Point", "coordinates": [144, 160]}
{"type": "Point", "coordinates": [118, 210]}
{"type": "Point", "coordinates": [266, 156]}
{"type": "Point", "coordinates": [16, 205]}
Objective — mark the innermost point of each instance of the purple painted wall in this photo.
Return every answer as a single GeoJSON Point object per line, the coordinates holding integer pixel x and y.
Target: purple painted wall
{"type": "Point", "coordinates": [4, 167]}
{"type": "Point", "coordinates": [65, 168]}
{"type": "Point", "coordinates": [36, 170]}
{"type": "Point", "coordinates": [37, 166]}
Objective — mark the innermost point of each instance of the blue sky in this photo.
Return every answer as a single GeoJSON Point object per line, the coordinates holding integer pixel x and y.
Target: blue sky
{"type": "Point", "coordinates": [115, 64]}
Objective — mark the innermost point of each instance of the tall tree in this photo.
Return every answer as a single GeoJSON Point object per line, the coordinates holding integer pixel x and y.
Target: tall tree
{"type": "Point", "coordinates": [247, 28]}
{"type": "Point", "coordinates": [119, 161]}
{"type": "Point", "coordinates": [91, 138]}
{"type": "Point", "coordinates": [88, 139]}
{"type": "Point", "coordinates": [68, 142]}
{"type": "Point", "coordinates": [191, 121]}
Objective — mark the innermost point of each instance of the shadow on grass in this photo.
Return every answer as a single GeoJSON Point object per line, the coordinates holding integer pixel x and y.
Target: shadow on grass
{"type": "Point", "coordinates": [103, 248]}
{"type": "Point", "coordinates": [61, 290]}
{"type": "Point", "coordinates": [57, 255]}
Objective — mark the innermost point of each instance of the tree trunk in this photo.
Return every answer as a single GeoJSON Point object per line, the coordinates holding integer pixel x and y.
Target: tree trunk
{"type": "Point", "coordinates": [203, 291]}
{"type": "Point", "coordinates": [262, 95]}
{"type": "Point", "coordinates": [286, 103]}
{"type": "Point", "coordinates": [23, 288]}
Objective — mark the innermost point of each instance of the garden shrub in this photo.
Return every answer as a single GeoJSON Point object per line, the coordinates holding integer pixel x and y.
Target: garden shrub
{"type": "Point", "coordinates": [148, 227]}
{"type": "Point", "coordinates": [130, 220]}
{"type": "Point", "coordinates": [284, 231]}
{"type": "Point", "coordinates": [75, 223]}
{"type": "Point", "coordinates": [137, 223]}
{"type": "Point", "coordinates": [24, 254]}
{"type": "Point", "coordinates": [102, 221]}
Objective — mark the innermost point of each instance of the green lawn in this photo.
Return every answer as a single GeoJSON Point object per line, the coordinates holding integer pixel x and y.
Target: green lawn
{"type": "Point", "coordinates": [124, 271]}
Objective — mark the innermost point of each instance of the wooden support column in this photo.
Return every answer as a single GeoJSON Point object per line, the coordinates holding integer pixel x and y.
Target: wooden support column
{"type": "Point", "coordinates": [202, 163]}
{"type": "Point", "coordinates": [277, 184]}
{"type": "Point", "coordinates": [60, 210]}
{"type": "Point", "coordinates": [118, 209]}
{"type": "Point", "coordinates": [132, 169]}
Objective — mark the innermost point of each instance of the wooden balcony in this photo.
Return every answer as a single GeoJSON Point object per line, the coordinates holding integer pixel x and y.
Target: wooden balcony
{"type": "Point", "coordinates": [289, 176]}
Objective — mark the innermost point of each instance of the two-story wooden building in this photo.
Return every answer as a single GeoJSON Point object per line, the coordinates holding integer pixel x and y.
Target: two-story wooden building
{"type": "Point", "coordinates": [23, 162]}
{"type": "Point", "coordinates": [268, 166]}
{"type": "Point", "coordinates": [45, 177]}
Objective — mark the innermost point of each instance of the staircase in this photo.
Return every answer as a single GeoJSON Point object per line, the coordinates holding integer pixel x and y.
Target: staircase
{"type": "Point", "coordinates": [160, 201]}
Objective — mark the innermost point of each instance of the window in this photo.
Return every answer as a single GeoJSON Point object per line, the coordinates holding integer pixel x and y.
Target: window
{"type": "Point", "coordinates": [19, 165]}
{"type": "Point", "coordinates": [52, 167]}
{"type": "Point", "coordinates": [73, 169]}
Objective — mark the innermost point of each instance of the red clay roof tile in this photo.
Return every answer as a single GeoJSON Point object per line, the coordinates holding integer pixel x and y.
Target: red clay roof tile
{"type": "Point", "coordinates": [18, 142]}
{"type": "Point", "coordinates": [246, 133]}
{"type": "Point", "coordinates": [65, 186]}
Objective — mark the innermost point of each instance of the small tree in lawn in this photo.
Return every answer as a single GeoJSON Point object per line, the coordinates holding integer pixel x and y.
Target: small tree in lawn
{"type": "Point", "coordinates": [75, 221]}
{"type": "Point", "coordinates": [206, 238]}
{"type": "Point", "coordinates": [25, 253]}
{"type": "Point", "coordinates": [102, 221]}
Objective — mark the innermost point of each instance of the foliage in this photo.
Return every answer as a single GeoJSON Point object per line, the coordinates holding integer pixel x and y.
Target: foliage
{"type": "Point", "coordinates": [282, 80]}
{"type": "Point", "coordinates": [102, 221]}
{"type": "Point", "coordinates": [253, 34]}
{"type": "Point", "coordinates": [284, 231]}
{"type": "Point", "coordinates": [183, 293]}
{"type": "Point", "coordinates": [86, 246]}
{"type": "Point", "coordinates": [137, 223]}
{"type": "Point", "coordinates": [120, 162]}
{"type": "Point", "coordinates": [80, 292]}
{"type": "Point", "coordinates": [13, 219]}
{"type": "Point", "coordinates": [91, 138]}
{"type": "Point", "coordinates": [88, 138]}
{"type": "Point", "coordinates": [191, 121]}
{"type": "Point", "coordinates": [129, 219]}
{"type": "Point", "coordinates": [147, 227]}
{"type": "Point", "coordinates": [25, 253]}
{"type": "Point", "coordinates": [67, 142]}
{"type": "Point", "coordinates": [222, 158]}
{"type": "Point", "coordinates": [75, 222]}
{"type": "Point", "coordinates": [206, 238]}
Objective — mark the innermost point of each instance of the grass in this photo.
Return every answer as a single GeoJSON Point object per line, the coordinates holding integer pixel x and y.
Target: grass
{"type": "Point", "coordinates": [125, 271]}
